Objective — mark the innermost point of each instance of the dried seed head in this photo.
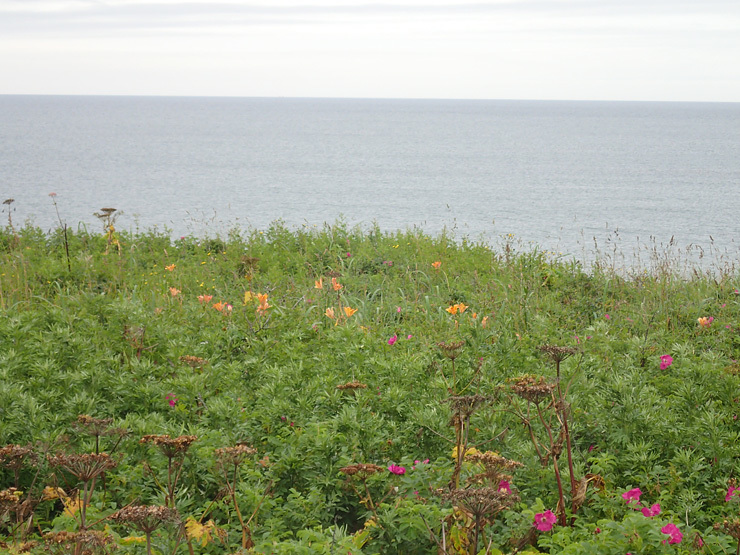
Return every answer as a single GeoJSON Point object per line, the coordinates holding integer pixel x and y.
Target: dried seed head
{"type": "Point", "coordinates": [146, 518]}
{"type": "Point", "coordinates": [557, 354]}
{"type": "Point", "coordinates": [170, 447]}
{"type": "Point", "coordinates": [730, 527]}
{"type": "Point", "coordinates": [193, 361]}
{"type": "Point", "coordinates": [451, 350]}
{"type": "Point", "coordinates": [496, 467]}
{"type": "Point", "coordinates": [481, 502]}
{"type": "Point", "coordinates": [234, 456]}
{"type": "Point", "coordinates": [15, 456]}
{"type": "Point", "coordinates": [532, 388]}
{"type": "Point", "coordinates": [93, 426]}
{"type": "Point", "coordinates": [351, 386]}
{"type": "Point", "coordinates": [85, 466]}
{"type": "Point", "coordinates": [9, 499]}
{"type": "Point", "coordinates": [87, 542]}
{"type": "Point", "coordinates": [465, 405]}
{"type": "Point", "coordinates": [361, 470]}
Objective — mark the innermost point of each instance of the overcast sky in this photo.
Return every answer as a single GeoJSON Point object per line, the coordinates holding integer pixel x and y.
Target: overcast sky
{"type": "Point", "coordinates": [520, 49]}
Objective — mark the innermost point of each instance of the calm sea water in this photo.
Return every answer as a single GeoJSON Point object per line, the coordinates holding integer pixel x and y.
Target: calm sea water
{"type": "Point", "coordinates": [554, 173]}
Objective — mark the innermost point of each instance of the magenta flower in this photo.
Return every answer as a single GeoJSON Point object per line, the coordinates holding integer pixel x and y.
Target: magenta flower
{"type": "Point", "coordinates": [652, 511]}
{"type": "Point", "coordinates": [504, 487]}
{"type": "Point", "coordinates": [632, 495]}
{"type": "Point", "coordinates": [171, 399]}
{"type": "Point", "coordinates": [665, 361]}
{"type": "Point", "coordinates": [607, 317]}
{"type": "Point", "coordinates": [393, 339]}
{"type": "Point", "coordinates": [672, 530]}
{"type": "Point", "coordinates": [731, 493]}
{"type": "Point", "coordinates": [398, 470]}
{"type": "Point", "coordinates": [544, 521]}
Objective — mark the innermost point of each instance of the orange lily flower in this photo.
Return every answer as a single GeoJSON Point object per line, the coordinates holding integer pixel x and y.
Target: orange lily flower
{"type": "Point", "coordinates": [329, 313]}
{"type": "Point", "coordinates": [335, 284]}
{"type": "Point", "coordinates": [205, 298]}
{"type": "Point", "coordinates": [349, 311]}
{"type": "Point", "coordinates": [263, 306]}
{"type": "Point", "coordinates": [319, 284]}
{"type": "Point", "coordinates": [484, 322]}
{"type": "Point", "coordinates": [452, 309]}
{"type": "Point", "coordinates": [174, 291]}
{"type": "Point", "coordinates": [436, 265]}
{"type": "Point", "coordinates": [170, 267]}
{"type": "Point", "coordinates": [462, 307]}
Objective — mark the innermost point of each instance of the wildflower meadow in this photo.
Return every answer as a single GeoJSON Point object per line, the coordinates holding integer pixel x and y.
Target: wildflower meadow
{"type": "Point", "coordinates": [355, 391]}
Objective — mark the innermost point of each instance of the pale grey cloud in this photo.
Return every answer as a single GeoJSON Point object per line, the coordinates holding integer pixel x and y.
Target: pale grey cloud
{"type": "Point", "coordinates": [659, 49]}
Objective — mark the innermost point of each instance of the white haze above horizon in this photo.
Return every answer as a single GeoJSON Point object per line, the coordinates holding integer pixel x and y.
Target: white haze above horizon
{"type": "Point", "coordinates": [677, 50]}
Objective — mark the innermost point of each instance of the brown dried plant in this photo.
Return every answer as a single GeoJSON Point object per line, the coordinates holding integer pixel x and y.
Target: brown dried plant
{"type": "Point", "coordinates": [84, 542]}
{"type": "Point", "coordinates": [174, 449]}
{"type": "Point", "coordinates": [146, 519]}
{"type": "Point", "coordinates": [228, 461]}
{"type": "Point", "coordinates": [86, 468]}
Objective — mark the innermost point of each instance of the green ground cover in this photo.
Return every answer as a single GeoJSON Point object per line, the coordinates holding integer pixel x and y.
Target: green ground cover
{"type": "Point", "coordinates": [340, 390]}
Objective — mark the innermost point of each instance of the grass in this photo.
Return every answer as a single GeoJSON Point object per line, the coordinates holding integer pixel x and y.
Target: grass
{"type": "Point", "coordinates": [108, 338]}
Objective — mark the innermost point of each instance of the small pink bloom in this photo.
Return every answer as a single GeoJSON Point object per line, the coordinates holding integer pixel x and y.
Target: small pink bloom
{"type": "Point", "coordinates": [545, 521]}
{"type": "Point", "coordinates": [504, 487]}
{"type": "Point", "coordinates": [397, 470]}
{"type": "Point", "coordinates": [52, 195]}
{"type": "Point", "coordinates": [652, 511]}
{"type": "Point", "coordinates": [632, 495]}
{"type": "Point", "coordinates": [731, 493]}
{"type": "Point", "coordinates": [171, 399]}
{"type": "Point", "coordinates": [349, 255]}
{"type": "Point", "coordinates": [398, 309]}
{"type": "Point", "coordinates": [392, 340]}
{"type": "Point", "coordinates": [591, 448]}
{"type": "Point", "coordinates": [672, 530]}
{"type": "Point", "coordinates": [665, 361]}
{"type": "Point", "coordinates": [409, 336]}
{"type": "Point", "coordinates": [607, 317]}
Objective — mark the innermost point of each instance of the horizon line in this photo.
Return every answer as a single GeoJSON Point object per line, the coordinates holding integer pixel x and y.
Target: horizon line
{"type": "Point", "coordinates": [298, 97]}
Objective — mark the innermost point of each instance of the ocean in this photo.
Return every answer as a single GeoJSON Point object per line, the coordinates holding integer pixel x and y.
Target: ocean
{"type": "Point", "coordinates": [566, 177]}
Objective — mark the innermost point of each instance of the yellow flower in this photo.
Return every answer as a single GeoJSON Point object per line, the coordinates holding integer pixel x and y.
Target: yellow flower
{"type": "Point", "coordinates": [319, 284]}
{"type": "Point", "coordinates": [349, 311]}
{"type": "Point", "coordinates": [335, 284]}
{"type": "Point", "coordinates": [436, 265]}
{"type": "Point", "coordinates": [329, 313]}
{"type": "Point", "coordinates": [170, 268]}
{"type": "Point", "coordinates": [705, 322]}
{"type": "Point", "coordinates": [248, 297]}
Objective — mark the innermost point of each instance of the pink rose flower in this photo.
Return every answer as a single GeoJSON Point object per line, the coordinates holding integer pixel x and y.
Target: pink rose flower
{"type": "Point", "coordinates": [632, 495]}
{"type": "Point", "coordinates": [398, 470]}
{"type": "Point", "coordinates": [545, 521]}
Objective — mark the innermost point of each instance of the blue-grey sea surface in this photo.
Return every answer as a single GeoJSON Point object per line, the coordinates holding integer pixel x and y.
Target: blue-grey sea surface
{"type": "Point", "coordinates": [554, 173]}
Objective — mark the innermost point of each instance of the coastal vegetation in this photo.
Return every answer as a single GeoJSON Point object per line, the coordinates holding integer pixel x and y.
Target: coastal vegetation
{"type": "Point", "coordinates": [339, 390]}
